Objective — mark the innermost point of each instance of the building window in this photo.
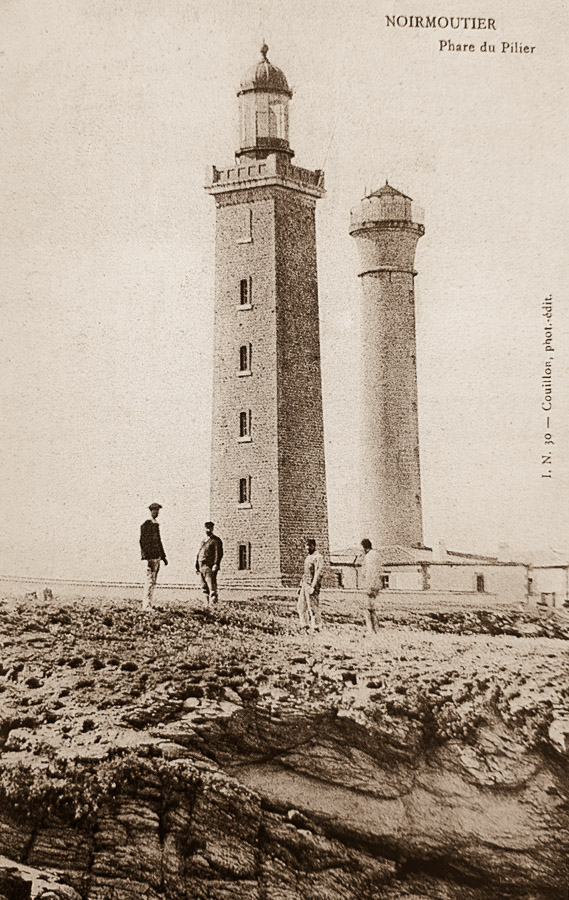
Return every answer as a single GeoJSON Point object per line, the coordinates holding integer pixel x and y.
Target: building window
{"type": "Point", "coordinates": [278, 119]}
{"type": "Point", "coordinates": [245, 227]}
{"type": "Point", "coordinates": [480, 584]}
{"type": "Point", "coordinates": [244, 557]}
{"type": "Point", "coordinates": [245, 491]}
{"type": "Point", "coordinates": [385, 581]}
{"type": "Point", "coordinates": [245, 425]}
{"type": "Point", "coordinates": [245, 359]}
{"type": "Point", "coordinates": [246, 293]}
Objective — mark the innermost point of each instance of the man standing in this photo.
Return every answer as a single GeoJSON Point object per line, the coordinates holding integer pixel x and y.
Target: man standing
{"type": "Point", "coordinates": [371, 575]}
{"type": "Point", "coordinates": [309, 593]}
{"type": "Point", "coordinates": [208, 561]}
{"type": "Point", "coordinates": [152, 551]}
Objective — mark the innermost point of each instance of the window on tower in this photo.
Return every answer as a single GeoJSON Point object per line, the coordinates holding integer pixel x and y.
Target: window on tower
{"type": "Point", "coordinates": [278, 119]}
{"type": "Point", "coordinates": [246, 293]}
{"type": "Point", "coordinates": [245, 359]}
{"type": "Point", "coordinates": [245, 491]}
{"type": "Point", "coordinates": [244, 556]}
{"type": "Point", "coordinates": [245, 425]}
{"type": "Point", "coordinates": [245, 226]}
{"type": "Point", "coordinates": [262, 117]}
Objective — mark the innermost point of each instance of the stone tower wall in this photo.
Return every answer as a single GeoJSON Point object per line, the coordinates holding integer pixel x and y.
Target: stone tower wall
{"type": "Point", "coordinates": [390, 505]}
{"type": "Point", "coordinates": [302, 472]}
{"type": "Point", "coordinates": [285, 457]}
{"type": "Point", "coordinates": [390, 247]}
{"type": "Point", "coordinates": [390, 486]}
{"type": "Point", "coordinates": [233, 393]}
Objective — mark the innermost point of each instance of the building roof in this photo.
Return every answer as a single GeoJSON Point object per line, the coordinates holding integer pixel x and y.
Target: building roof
{"type": "Point", "coordinates": [389, 555]}
{"type": "Point", "coordinates": [548, 559]}
{"type": "Point", "coordinates": [265, 77]}
{"type": "Point", "coordinates": [397, 555]}
{"type": "Point", "coordinates": [388, 191]}
{"type": "Point", "coordinates": [477, 557]}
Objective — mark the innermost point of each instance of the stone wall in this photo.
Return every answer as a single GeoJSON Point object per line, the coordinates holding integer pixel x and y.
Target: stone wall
{"type": "Point", "coordinates": [284, 460]}
{"type": "Point", "coordinates": [234, 393]}
{"type": "Point", "coordinates": [390, 480]}
{"type": "Point", "coordinates": [302, 475]}
{"type": "Point", "coordinates": [506, 581]}
{"type": "Point", "coordinates": [390, 483]}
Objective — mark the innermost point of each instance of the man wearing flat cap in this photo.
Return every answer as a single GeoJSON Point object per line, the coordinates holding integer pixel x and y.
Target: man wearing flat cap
{"type": "Point", "coordinates": [208, 561]}
{"type": "Point", "coordinates": [152, 551]}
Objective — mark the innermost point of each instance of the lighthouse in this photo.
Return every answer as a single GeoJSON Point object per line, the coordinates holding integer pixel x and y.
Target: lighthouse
{"type": "Point", "coordinates": [387, 231]}
{"type": "Point", "coordinates": [268, 480]}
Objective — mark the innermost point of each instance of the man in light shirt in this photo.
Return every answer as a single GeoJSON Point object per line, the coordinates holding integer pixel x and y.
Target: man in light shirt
{"type": "Point", "coordinates": [309, 593]}
{"type": "Point", "coordinates": [371, 580]}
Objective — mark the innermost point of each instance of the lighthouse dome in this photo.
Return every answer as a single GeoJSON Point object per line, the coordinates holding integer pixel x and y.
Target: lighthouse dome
{"type": "Point", "coordinates": [265, 77]}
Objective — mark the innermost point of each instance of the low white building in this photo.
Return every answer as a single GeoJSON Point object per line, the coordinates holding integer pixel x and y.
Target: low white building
{"type": "Point", "coordinates": [414, 569]}
{"type": "Point", "coordinates": [549, 578]}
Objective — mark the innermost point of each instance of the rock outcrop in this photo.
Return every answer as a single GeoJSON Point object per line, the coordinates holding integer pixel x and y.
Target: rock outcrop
{"type": "Point", "coordinates": [176, 754]}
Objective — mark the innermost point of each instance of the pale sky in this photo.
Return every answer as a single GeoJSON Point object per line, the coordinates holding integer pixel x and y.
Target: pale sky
{"type": "Point", "coordinates": [111, 112]}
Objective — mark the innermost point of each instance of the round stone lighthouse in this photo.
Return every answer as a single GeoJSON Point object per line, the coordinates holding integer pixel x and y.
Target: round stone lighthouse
{"type": "Point", "coordinates": [390, 486]}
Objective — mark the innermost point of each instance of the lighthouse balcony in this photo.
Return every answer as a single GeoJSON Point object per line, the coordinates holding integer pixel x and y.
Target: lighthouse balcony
{"type": "Point", "coordinates": [386, 211]}
{"type": "Point", "coordinates": [272, 170]}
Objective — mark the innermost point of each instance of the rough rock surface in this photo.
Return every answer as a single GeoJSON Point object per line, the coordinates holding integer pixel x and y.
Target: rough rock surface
{"type": "Point", "coordinates": [182, 754]}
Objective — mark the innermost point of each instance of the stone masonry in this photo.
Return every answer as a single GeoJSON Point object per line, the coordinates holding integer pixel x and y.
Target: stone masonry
{"type": "Point", "coordinates": [268, 482]}
{"type": "Point", "coordinates": [390, 483]}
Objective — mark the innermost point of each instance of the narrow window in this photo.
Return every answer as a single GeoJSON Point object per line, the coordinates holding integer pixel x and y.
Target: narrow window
{"type": "Point", "coordinates": [245, 489]}
{"type": "Point", "coordinates": [244, 553]}
{"type": "Point", "coordinates": [245, 219]}
{"type": "Point", "coordinates": [245, 425]}
{"type": "Point", "coordinates": [480, 584]}
{"type": "Point", "coordinates": [385, 581]}
{"type": "Point", "coordinates": [246, 293]}
{"type": "Point", "coordinates": [245, 358]}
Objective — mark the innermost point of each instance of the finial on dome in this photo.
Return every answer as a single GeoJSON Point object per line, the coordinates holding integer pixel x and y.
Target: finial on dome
{"type": "Point", "coordinates": [264, 50]}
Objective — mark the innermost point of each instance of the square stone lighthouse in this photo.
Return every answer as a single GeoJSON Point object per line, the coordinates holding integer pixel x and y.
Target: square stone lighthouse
{"type": "Point", "coordinates": [268, 480]}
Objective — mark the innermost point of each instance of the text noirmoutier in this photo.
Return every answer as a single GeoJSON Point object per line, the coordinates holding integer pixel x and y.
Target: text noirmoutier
{"type": "Point", "coordinates": [455, 22]}
{"type": "Point", "coordinates": [473, 23]}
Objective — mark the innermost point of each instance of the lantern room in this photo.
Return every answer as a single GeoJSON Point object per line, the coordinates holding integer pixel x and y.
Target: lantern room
{"type": "Point", "coordinates": [264, 96]}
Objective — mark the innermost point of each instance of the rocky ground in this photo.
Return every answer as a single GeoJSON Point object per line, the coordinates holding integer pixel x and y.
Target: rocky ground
{"type": "Point", "coordinates": [182, 754]}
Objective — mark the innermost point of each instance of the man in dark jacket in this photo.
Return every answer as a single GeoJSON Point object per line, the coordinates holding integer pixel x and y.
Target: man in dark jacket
{"type": "Point", "coordinates": [152, 551]}
{"type": "Point", "coordinates": [208, 561]}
